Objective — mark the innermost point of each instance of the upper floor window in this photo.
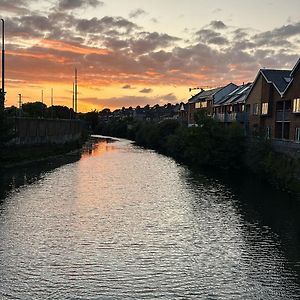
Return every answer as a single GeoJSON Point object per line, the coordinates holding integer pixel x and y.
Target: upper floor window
{"type": "Point", "coordinates": [201, 104]}
{"type": "Point", "coordinates": [297, 135]}
{"type": "Point", "coordinates": [296, 105]}
{"type": "Point", "coordinates": [264, 108]}
{"type": "Point", "coordinates": [256, 109]}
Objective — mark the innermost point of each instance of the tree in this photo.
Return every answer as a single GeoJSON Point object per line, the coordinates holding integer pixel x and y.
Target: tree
{"type": "Point", "coordinates": [34, 109]}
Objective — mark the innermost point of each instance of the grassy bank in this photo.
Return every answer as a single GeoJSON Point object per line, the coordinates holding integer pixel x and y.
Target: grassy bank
{"type": "Point", "coordinates": [21, 155]}
{"type": "Point", "coordinates": [211, 146]}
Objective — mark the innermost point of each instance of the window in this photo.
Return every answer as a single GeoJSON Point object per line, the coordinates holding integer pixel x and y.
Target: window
{"type": "Point", "coordinates": [297, 135]}
{"type": "Point", "coordinates": [268, 132]}
{"type": "Point", "coordinates": [204, 104]}
{"type": "Point", "coordinates": [201, 104]}
{"type": "Point", "coordinates": [296, 105]}
{"type": "Point", "coordinates": [264, 108]}
{"type": "Point", "coordinates": [256, 109]}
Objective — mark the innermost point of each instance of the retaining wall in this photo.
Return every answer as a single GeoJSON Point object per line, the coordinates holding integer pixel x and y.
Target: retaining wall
{"type": "Point", "coordinates": [30, 131]}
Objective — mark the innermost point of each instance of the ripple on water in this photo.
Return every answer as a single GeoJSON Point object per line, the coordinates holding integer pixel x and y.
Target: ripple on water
{"type": "Point", "coordinates": [127, 223]}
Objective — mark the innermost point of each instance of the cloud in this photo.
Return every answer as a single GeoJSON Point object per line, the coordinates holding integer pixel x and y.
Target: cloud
{"type": "Point", "coordinates": [277, 37]}
{"type": "Point", "coordinates": [16, 6]}
{"type": "Point", "coordinates": [217, 25]}
{"type": "Point", "coordinates": [146, 91]}
{"type": "Point", "coordinates": [169, 97]}
{"type": "Point", "coordinates": [217, 10]}
{"type": "Point", "coordinates": [113, 50]}
{"type": "Point", "coordinates": [105, 25]}
{"type": "Point", "coordinates": [127, 86]}
{"type": "Point", "coordinates": [73, 4]}
{"type": "Point", "coordinates": [137, 13]}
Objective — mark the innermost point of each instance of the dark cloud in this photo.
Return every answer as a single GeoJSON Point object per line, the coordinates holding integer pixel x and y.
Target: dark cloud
{"type": "Point", "coordinates": [73, 4]}
{"type": "Point", "coordinates": [16, 6]}
{"type": "Point", "coordinates": [146, 91]}
{"type": "Point", "coordinates": [149, 41]}
{"type": "Point", "coordinates": [138, 57]}
{"type": "Point", "coordinates": [211, 36]}
{"type": "Point", "coordinates": [278, 36]}
{"type": "Point", "coordinates": [169, 97]}
{"type": "Point", "coordinates": [127, 86]}
{"type": "Point", "coordinates": [106, 24]}
{"type": "Point", "coordinates": [217, 25]}
{"type": "Point", "coordinates": [137, 13]}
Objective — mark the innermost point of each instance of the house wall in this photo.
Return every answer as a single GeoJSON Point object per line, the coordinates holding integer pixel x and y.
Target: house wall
{"type": "Point", "coordinates": [294, 92]}
{"type": "Point", "coordinates": [253, 98]}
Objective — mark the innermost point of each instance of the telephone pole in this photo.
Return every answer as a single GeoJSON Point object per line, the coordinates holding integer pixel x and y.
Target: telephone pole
{"type": "Point", "coordinates": [20, 105]}
{"type": "Point", "coordinates": [76, 91]}
{"type": "Point", "coordinates": [2, 97]}
{"type": "Point", "coordinates": [51, 103]}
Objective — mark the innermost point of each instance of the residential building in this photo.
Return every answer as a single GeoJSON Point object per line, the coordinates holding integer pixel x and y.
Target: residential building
{"type": "Point", "coordinates": [232, 107]}
{"type": "Point", "coordinates": [205, 100]}
{"type": "Point", "coordinates": [274, 104]}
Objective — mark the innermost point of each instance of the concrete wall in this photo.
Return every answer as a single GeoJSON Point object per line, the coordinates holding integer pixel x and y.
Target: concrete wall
{"type": "Point", "coordinates": [29, 131]}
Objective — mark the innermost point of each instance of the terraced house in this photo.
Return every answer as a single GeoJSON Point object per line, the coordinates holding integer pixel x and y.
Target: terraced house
{"type": "Point", "coordinates": [206, 99]}
{"type": "Point", "coordinates": [274, 104]}
{"type": "Point", "coordinates": [232, 107]}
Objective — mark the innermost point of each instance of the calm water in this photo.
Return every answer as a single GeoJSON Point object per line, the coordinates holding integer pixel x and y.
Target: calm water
{"type": "Point", "coordinates": [127, 223]}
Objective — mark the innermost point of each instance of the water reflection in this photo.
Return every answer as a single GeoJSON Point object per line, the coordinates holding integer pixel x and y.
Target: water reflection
{"type": "Point", "coordinates": [126, 223]}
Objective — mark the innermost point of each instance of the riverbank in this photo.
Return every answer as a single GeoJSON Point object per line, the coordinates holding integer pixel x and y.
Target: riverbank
{"type": "Point", "coordinates": [14, 156]}
{"type": "Point", "coordinates": [212, 146]}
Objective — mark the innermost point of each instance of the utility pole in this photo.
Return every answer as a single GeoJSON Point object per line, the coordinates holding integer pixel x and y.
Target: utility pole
{"type": "Point", "coordinates": [75, 91]}
{"type": "Point", "coordinates": [73, 97]}
{"type": "Point", "coordinates": [42, 99]}
{"type": "Point", "coordinates": [2, 102]}
{"type": "Point", "coordinates": [51, 103]}
{"type": "Point", "coordinates": [20, 105]}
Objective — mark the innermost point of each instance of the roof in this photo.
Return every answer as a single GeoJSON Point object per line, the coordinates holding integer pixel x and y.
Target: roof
{"type": "Point", "coordinates": [236, 96]}
{"type": "Point", "coordinates": [205, 94]}
{"type": "Point", "coordinates": [279, 78]}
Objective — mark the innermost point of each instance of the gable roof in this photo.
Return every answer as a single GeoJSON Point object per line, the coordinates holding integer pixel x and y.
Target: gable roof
{"type": "Point", "coordinates": [279, 78]}
{"type": "Point", "coordinates": [204, 94]}
{"type": "Point", "coordinates": [236, 96]}
{"type": "Point", "coordinates": [295, 67]}
{"type": "Point", "coordinates": [208, 94]}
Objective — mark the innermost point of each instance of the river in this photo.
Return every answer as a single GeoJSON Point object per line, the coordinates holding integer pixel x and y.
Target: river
{"type": "Point", "coordinates": [122, 222]}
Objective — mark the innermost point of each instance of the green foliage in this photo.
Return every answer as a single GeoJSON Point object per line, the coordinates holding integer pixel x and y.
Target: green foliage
{"type": "Point", "coordinates": [210, 144]}
{"type": "Point", "coordinates": [6, 128]}
{"type": "Point", "coordinates": [278, 168]}
{"type": "Point", "coordinates": [34, 109]}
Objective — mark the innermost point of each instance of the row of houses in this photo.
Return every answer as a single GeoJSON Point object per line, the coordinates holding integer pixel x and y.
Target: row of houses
{"type": "Point", "coordinates": [269, 106]}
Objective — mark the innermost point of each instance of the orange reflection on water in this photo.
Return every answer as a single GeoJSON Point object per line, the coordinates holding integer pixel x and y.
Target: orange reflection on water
{"type": "Point", "coordinates": [94, 148]}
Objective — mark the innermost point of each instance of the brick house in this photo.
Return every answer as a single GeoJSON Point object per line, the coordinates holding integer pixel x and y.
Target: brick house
{"type": "Point", "coordinates": [205, 100]}
{"type": "Point", "coordinates": [274, 104]}
{"type": "Point", "coordinates": [232, 107]}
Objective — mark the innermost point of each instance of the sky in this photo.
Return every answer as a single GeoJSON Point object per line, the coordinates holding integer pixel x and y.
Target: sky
{"type": "Point", "coordinates": [138, 52]}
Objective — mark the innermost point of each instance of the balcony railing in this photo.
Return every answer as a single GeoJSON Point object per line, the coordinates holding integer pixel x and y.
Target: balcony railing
{"type": "Point", "coordinates": [219, 117]}
{"type": "Point", "coordinates": [241, 117]}
{"type": "Point", "coordinates": [283, 116]}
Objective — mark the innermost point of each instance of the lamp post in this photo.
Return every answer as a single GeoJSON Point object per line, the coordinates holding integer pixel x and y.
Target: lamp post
{"type": "Point", "coordinates": [3, 69]}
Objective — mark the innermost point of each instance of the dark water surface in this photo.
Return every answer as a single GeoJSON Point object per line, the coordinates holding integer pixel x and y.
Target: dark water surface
{"type": "Point", "coordinates": [127, 223]}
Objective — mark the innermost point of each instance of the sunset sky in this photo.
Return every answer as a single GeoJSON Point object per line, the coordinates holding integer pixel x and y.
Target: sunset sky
{"type": "Point", "coordinates": [138, 52]}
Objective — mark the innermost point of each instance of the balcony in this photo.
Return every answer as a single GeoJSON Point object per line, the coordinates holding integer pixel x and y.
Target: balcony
{"type": "Point", "coordinates": [241, 117]}
{"type": "Point", "coordinates": [283, 116]}
{"type": "Point", "coordinates": [219, 117]}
